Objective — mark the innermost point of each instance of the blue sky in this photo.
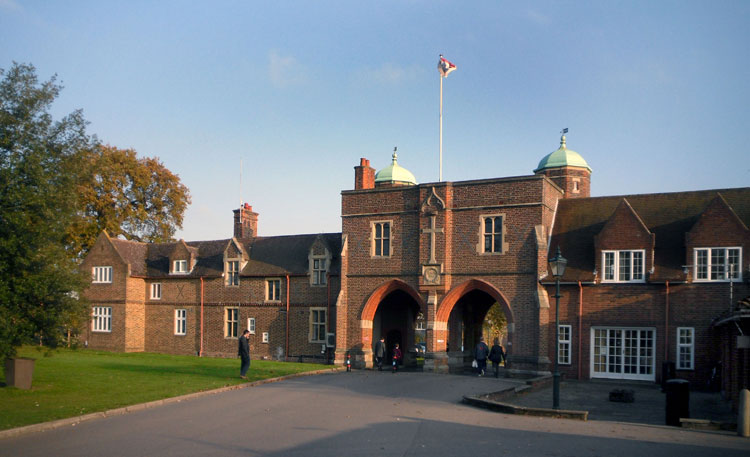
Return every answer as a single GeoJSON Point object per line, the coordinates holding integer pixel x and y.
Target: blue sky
{"type": "Point", "coordinates": [655, 93]}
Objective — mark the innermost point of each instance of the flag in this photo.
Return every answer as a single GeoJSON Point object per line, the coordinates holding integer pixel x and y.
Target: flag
{"type": "Point", "coordinates": [564, 131]}
{"type": "Point", "coordinates": [445, 67]}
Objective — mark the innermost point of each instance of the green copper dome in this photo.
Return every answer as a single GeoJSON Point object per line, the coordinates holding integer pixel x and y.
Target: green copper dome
{"type": "Point", "coordinates": [395, 174]}
{"type": "Point", "coordinates": [563, 157]}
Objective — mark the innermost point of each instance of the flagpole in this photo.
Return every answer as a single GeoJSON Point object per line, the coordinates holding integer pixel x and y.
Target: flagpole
{"type": "Point", "coordinates": [440, 176]}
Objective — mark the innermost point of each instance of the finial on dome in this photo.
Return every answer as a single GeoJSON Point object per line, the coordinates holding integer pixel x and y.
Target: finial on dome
{"type": "Point", "coordinates": [562, 138]}
{"type": "Point", "coordinates": [395, 156]}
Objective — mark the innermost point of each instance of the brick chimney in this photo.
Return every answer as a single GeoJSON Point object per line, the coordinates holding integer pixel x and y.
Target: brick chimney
{"type": "Point", "coordinates": [364, 175]}
{"type": "Point", "coordinates": [245, 222]}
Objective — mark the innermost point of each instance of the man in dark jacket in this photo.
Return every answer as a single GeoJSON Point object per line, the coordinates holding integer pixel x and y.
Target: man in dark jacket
{"type": "Point", "coordinates": [481, 351]}
{"type": "Point", "coordinates": [497, 355]}
{"type": "Point", "coordinates": [243, 351]}
{"type": "Point", "coordinates": [380, 353]}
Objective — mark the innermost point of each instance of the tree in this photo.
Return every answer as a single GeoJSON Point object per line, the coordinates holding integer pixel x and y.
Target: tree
{"type": "Point", "coordinates": [495, 322]}
{"type": "Point", "coordinates": [137, 198]}
{"type": "Point", "coordinates": [39, 279]}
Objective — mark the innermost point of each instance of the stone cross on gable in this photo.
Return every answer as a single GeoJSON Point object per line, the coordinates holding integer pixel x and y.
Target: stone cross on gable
{"type": "Point", "coordinates": [432, 231]}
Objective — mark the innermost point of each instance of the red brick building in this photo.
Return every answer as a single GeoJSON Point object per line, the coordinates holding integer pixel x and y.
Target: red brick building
{"type": "Point", "coordinates": [650, 279]}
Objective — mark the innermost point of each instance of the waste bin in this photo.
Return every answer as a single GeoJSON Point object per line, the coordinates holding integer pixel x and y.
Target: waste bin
{"type": "Point", "coordinates": [678, 400]}
{"type": "Point", "coordinates": [668, 371]}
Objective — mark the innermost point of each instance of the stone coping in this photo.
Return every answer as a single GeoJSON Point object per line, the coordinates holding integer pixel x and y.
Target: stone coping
{"type": "Point", "coordinates": [521, 410]}
{"type": "Point", "coordinates": [73, 421]}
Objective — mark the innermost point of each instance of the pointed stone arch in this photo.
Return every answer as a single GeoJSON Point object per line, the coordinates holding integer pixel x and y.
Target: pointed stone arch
{"type": "Point", "coordinates": [454, 297]}
{"type": "Point", "coordinates": [450, 300]}
{"type": "Point", "coordinates": [371, 306]}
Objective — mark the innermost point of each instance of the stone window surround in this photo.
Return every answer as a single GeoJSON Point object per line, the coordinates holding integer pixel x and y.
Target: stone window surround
{"type": "Point", "coordinates": [481, 233]}
{"type": "Point", "coordinates": [232, 275]}
{"type": "Point", "coordinates": [269, 292]}
{"type": "Point", "coordinates": [314, 325]}
{"type": "Point", "coordinates": [374, 241]}
{"type": "Point", "coordinates": [323, 280]}
{"type": "Point", "coordinates": [231, 322]}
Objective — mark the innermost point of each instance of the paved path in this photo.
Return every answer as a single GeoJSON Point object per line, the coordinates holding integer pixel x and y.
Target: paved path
{"type": "Point", "coordinates": [361, 413]}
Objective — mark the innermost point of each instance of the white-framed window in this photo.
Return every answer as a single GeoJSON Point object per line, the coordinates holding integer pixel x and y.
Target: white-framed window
{"type": "Point", "coordinates": [264, 338]}
{"type": "Point", "coordinates": [156, 291]}
{"type": "Point", "coordinates": [717, 264]}
{"type": "Point", "coordinates": [101, 275]}
{"type": "Point", "coordinates": [180, 322]}
{"type": "Point", "coordinates": [319, 270]}
{"type": "Point", "coordinates": [623, 353]}
{"type": "Point", "coordinates": [101, 319]}
{"type": "Point", "coordinates": [563, 345]}
{"type": "Point", "coordinates": [685, 348]}
{"type": "Point", "coordinates": [624, 266]}
{"type": "Point", "coordinates": [233, 273]}
{"type": "Point", "coordinates": [179, 267]}
{"type": "Point", "coordinates": [381, 239]}
{"type": "Point", "coordinates": [231, 321]}
{"type": "Point", "coordinates": [273, 289]}
{"type": "Point", "coordinates": [251, 325]}
{"type": "Point", "coordinates": [317, 325]}
{"type": "Point", "coordinates": [492, 234]}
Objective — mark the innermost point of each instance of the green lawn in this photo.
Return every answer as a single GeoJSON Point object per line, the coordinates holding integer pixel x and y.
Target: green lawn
{"type": "Point", "coordinates": [74, 382]}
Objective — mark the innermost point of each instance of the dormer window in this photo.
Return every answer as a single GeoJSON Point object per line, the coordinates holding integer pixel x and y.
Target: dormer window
{"type": "Point", "coordinates": [233, 273]}
{"type": "Point", "coordinates": [319, 271]}
{"type": "Point", "coordinates": [623, 266]}
{"type": "Point", "coordinates": [179, 267]}
{"type": "Point", "coordinates": [717, 264]}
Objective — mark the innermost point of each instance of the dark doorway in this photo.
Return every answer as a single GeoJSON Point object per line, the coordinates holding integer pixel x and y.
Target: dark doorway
{"type": "Point", "coordinates": [395, 320]}
{"type": "Point", "coordinates": [465, 325]}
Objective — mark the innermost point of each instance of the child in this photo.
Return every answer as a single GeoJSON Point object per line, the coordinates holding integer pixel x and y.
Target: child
{"type": "Point", "coordinates": [396, 357]}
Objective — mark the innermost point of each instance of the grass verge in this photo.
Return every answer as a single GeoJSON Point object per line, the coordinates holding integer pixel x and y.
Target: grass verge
{"type": "Point", "coordinates": [70, 383]}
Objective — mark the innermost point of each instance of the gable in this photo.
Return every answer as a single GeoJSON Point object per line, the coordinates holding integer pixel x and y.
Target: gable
{"type": "Point", "coordinates": [624, 230]}
{"type": "Point", "coordinates": [103, 253]}
{"type": "Point", "coordinates": [718, 225]}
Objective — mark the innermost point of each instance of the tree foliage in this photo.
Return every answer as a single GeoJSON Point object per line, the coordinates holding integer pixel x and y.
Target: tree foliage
{"type": "Point", "coordinates": [496, 322]}
{"type": "Point", "coordinates": [137, 198]}
{"type": "Point", "coordinates": [39, 157]}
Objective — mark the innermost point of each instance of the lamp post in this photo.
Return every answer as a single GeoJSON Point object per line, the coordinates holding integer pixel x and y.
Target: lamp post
{"type": "Point", "coordinates": [557, 266]}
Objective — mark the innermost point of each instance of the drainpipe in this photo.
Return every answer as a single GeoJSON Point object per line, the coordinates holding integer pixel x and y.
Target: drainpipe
{"type": "Point", "coordinates": [286, 349]}
{"type": "Point", "coordinates": [328, 309]}
{"type": "Point", "coordinates": [200, 353]}
{"type": "Point", "coordinates": [666, 325]}
{"type": "Point", "coordinates": [580, 330]}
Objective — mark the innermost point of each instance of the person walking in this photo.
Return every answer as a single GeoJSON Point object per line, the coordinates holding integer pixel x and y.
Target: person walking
{"type": "Point", "coordinates": [243, 350]}
{"type": "Point", "coordinates": [396, 357]}
{"type": "Point", "coordinates": [380, 353]}
{"type": "Point", "coordinates": [497, 355]}
{"type": "Point", "coordinates": [480, 355]}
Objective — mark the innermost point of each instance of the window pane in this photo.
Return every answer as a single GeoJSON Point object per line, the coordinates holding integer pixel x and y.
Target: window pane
{"type": "Point", "coordinates": [386, 230]}
{"type": "Point", "coordinates": [701, 262]}
{"type": "Point", "coordinates": [386, 247]}
{"type": "Point", "coordinates": [638, 265]}
{"type": "Point", "coordinates": [624, 265]}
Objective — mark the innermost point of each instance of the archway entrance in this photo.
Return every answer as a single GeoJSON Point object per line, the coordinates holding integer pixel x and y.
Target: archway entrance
{"type": "Point", "coordinates": [465, 310]}
{"type": "Point", "coordinates": [395, 320]}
